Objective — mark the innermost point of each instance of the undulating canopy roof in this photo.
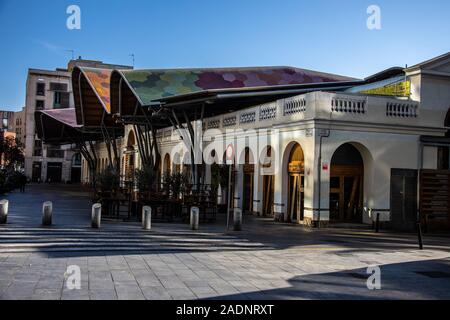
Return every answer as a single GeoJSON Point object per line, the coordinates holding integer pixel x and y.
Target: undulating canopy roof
{"type": "Point", "coordinates": [59, 127]}
{"type": "Point", "coordinates": [91, 90]}
{"type": "Point", "coordinates": [153, 85]}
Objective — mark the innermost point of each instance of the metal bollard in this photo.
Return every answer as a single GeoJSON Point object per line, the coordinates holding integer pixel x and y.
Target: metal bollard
{"type": "Point", "coordinates": [419, 235]}
{"type": "Point", "coordinates": [4, 205]}
{"type": "Point", "coordinates": [237, 218]}
{"type": "Point", "coordinates": [147, 218]}
{"type": "Point", "coordinates": [47, 212]}
{"type": "Point", "coordinates": [96, 216]}
{"type": "Point", "coordinates": [377, 223]}
{"type": "Point", "coordinates": [195, 218]}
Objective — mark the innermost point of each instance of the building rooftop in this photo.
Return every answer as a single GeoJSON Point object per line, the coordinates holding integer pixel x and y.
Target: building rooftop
{"type": "Point", "coordinates": [153, 85]}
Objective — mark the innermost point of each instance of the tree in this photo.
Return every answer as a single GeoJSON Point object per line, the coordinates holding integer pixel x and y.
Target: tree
{"type": "Point", "coordinates": [11, 153]}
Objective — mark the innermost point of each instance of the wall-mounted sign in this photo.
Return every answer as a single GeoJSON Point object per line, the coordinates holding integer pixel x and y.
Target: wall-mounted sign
{"type": "Point", "coordinates": [398, 89]}
{"type": "Point", "coordinates": [325, 166]}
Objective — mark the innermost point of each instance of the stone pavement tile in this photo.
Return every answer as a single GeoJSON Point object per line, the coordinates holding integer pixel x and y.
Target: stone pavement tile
{"type": "Point", "coordinates": [120, 276]}
{"type": "Point", "coordinates": [24, 276]}
{"type": "Point", "coordinates": [7, 273]}
{"type": "Point", "coordinates": [163, 272]}
{"type": "Point", "coordinates": [156, 293]}
{"type": "Point", "coordinates": [225, 290]}
{"type": "Point", "coordinates": [117, 263]}
{"type": "Point", "coordinates": [4, 284]}
{"type": "Point", "coordinates": [189, 277]}
{"type": "Point", "coordinates": [49, 283]}
{"type": "Point", "coordinates": [19, 291]}
{"type": "Point", "coordinates": [53, 273]}
{"type": "Point", "coordinates": [206, 274]}
{"type": "Point", "coordinates": [148, 280]}
{"type": "Point", "coordinates": [172, 282]}
{"type": "Point", "coordinates": [47, 294]}
{"type": "Point", "coordinates": [181, 294]}
{"type": "Point", "coordinates": [204, 292]}
{"type": "Point", "coordinates": [102, 294]}
{"type": "Point", "coordinates": [129, 292]}
{"type": "Point", "coordinates": [136, 263]}
{"type": "Point", "coordinates": [196, 283]}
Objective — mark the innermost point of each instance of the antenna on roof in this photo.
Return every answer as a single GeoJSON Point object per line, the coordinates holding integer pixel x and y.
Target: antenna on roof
{"type": "Point", "coordinates": [132, 57]}
{"type": "Point", "coordinates": [72, 52]}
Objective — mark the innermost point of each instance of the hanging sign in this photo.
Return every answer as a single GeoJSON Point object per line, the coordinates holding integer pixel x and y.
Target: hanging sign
{"type": "Point", "coordinates": [230, 154]}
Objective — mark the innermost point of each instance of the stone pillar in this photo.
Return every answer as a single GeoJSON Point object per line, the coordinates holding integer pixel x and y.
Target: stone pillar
{"type": "Point", "coordinates": [207, 178]}
{"type": "Point", "coordinates": [195, 218]}
{"type": "Point", "coordinates": [238, 186]}
{"type": "Point", "coordinates": [280, 199]}
{"type": "Point", "coordinates": [47, 212]}
{"type": "Point", "coordinates": [258, 181]}
{"type": "Point", "coordinates": [4, 206]}
{"type": "Point", "coordinates": [96, 216]}
{"type": "Point", "coordinates": [147, 218]}
{"type": "Point", "coordinates": [237, 219]}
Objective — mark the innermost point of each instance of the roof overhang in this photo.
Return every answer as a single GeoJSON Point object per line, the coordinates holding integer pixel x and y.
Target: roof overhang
{"type": "Point", "coordinates": [59, 127]}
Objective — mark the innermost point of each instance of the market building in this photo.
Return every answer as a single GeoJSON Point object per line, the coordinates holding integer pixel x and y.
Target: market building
{"type": "Point", "coordinates": [304, 147]}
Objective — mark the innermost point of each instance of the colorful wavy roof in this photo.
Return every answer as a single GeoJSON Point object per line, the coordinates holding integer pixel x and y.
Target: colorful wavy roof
{"type": "Point", "coordinates": [99, 79]}
{"type": "Point", "coordinates": [153, 85]}
{"type": "Point", "coordinates": [64, 116]}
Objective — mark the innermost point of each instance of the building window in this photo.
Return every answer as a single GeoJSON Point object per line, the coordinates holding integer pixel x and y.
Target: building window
{"type": "Point", "coordinates": [40, 89]}
{"type": "Point", "coordinates": [55, 153]}
{"type": "Point", "coordinates": [40, 105]}
{"type": "Point", "coordinates": [37, 148]}
{"type": "Point", "coordinates": [57, 100]}
{"type": "Point", "coordinates": [5, 123]}
{"type": "Point", "coordinates": [61, 100]}
{"type": "Point", "coordinates": [58, 87]}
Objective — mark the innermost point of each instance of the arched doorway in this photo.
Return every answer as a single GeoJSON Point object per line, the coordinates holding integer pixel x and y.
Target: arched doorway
{"type": "Point", "coordinates": [167, 164]}
{"type": "Point", "coordinates": [268, 183]}
{"type": "Point", "coordinates": [346, 185]}
{"type": "Point", "coordinates": [296, 187]}
{"type": "Point", "coordinates": [247, 192]}
{"type": "Point", "coordinates": [129, 157]}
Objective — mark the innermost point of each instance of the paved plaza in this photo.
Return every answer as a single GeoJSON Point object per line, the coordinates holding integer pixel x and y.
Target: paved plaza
{"type": "Point", "coordinates": [264, 261]}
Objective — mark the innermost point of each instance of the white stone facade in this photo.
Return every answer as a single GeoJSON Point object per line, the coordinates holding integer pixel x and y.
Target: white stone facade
{"type": "Point", "coordinates": [385, 131]}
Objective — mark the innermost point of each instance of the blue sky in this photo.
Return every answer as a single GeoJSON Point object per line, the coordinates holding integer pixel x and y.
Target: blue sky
{"type": "Point", "coordinates": [324, 35]}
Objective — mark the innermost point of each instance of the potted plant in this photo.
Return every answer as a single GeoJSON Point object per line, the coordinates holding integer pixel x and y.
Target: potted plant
{"type": "Point", "coordinates": [145, 179]}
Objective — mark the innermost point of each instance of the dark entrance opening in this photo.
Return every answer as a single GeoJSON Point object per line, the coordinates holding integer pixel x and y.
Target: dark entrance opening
{"type": "Point", "coordinates": [296, 171]}
{"type": "Point", "coordinates": [249, 169]}
{"type": "Point", "coordinates": [268, 186]}
{"type": "Point", "coordinates": [37, 171]}
{"type": "Point", "coordinates": [403, 199]}
{"type": "Point", "coordinates": [346, 185]}
{"type": "Point", "coordinates": [54, 172]}
{"type": "Point", "coordinates": [75, 174]}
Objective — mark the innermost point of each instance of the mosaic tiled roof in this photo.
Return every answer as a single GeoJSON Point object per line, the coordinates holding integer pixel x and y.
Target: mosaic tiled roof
{"type": "Point", "coordinates": [99, 79]}
{"type": "Point", "coordinates": [152, 85]}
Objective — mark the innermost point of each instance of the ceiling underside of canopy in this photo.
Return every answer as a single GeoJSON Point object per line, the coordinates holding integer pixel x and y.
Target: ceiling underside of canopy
{"type": "Point", "coordinates": [59, 127]}
{"type": "Point", "coordinates": [91, 90]}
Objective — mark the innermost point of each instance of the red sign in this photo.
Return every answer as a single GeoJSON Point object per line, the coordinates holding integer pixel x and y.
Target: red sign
{"type": "Point", "coordinates": [325, 166]}
{"type": "Point", "coordinates": [230, 153]}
